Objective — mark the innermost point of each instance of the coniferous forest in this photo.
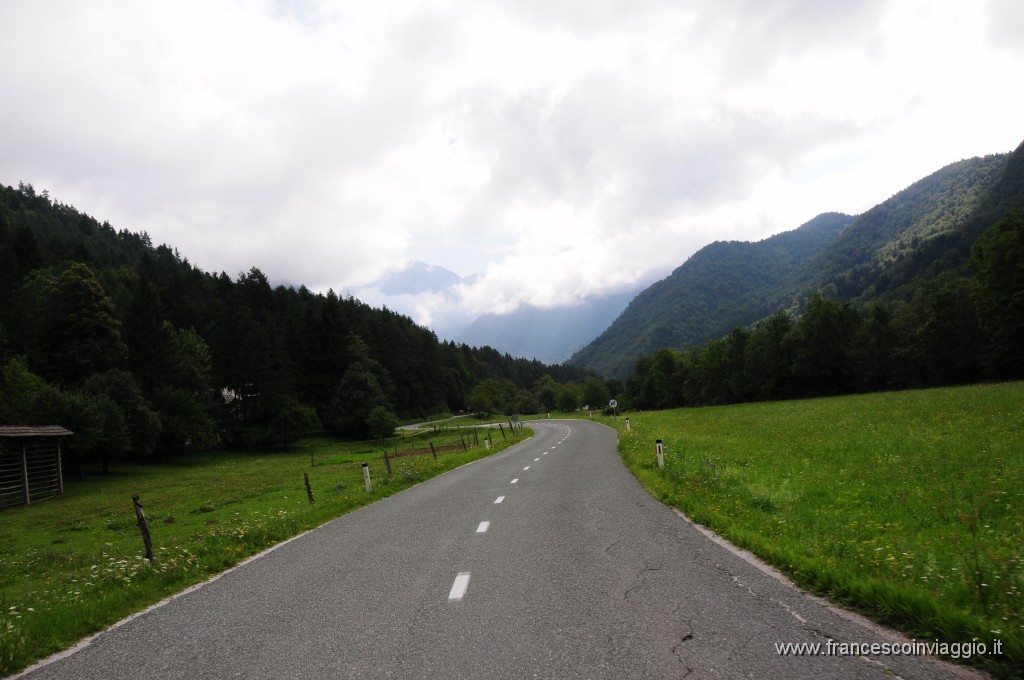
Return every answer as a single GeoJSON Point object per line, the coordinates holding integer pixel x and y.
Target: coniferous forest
{"type": "Point", "coordinates": [142, 354]}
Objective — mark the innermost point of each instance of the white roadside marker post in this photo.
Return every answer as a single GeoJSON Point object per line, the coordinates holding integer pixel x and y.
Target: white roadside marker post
{"type": "Point", "coordinates": [661, 454]}
{"type": "Point", "coordinates": [366, 477]}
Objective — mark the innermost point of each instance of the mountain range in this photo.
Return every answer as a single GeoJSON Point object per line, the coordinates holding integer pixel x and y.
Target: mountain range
{"type": "Point", "coordinates": [723, 285]}
{"type": "Point", "coordinates": [882, 255]}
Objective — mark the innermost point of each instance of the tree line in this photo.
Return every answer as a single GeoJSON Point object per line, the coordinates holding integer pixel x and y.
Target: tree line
{"type": "Point", "coordinates": [963, 326]}
{"type": "Point", "coordinates": [142, 354]}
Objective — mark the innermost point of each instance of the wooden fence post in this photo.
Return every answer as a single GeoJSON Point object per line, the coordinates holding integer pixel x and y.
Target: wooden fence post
{"type": "Point", "coordinates": [387, 462]}
{"type": "Point", "coordinates": [500, 427]}
{"type": "Point", "coordinates": [24, 475]}
{"type": "Point", "coordinates": [309, 489]}
{"type": "Point", "coordinates": [60, 472]}
{"type": "Point", "coordinates": [464, 447]}
{"type": "Point", "coordinates": [433, 451]}
{"type": "Point", "coordinates": [143, 527]}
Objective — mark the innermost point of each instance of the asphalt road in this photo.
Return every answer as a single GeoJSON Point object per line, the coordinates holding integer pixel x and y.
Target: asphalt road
{"type": "Point", "coordinates": [579, 574]}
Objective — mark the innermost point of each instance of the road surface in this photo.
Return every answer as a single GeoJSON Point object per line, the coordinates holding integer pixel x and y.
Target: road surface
{"type": "Point", "coordinates": [547, 560]}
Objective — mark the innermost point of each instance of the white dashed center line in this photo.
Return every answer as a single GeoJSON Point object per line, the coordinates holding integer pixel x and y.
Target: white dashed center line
{"type": "Point", "coordinates": [461, 583]}
{"type": "Point", "coordinates": [459, 587]}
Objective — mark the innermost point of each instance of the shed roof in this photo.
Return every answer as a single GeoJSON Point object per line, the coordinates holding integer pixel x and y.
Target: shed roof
{"type": "Point", "coordinates": [36, 431]}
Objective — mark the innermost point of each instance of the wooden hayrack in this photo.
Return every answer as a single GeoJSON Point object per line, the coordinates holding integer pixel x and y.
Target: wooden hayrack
{"type": "Point", "coordinates": [30, 465]}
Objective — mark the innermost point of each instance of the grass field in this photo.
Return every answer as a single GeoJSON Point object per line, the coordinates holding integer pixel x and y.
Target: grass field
{"type": "Point", "coordinates": [906, 505]}
{"type": "Point", "coordinates": [74, 565]}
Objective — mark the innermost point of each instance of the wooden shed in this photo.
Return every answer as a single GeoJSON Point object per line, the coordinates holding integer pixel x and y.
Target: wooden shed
{"type": "Point", "coordinates": [30, 465]}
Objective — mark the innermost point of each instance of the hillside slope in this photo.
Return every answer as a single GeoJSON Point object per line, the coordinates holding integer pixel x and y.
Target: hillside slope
{"type": "Point", "coordinates": [141, 353]}
{"type": "Point", "coordinates": [924, 230]}
{"type": "Point", "coordinates": [907, 236]}
{"type": "Point", "coordinates": [724, 284]}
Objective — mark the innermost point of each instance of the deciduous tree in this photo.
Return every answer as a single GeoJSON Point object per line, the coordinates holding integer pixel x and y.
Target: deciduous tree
{"type": "Point", "coordinates": [382, 422]}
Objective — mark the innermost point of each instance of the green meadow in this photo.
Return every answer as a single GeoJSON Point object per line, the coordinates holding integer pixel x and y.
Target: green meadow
{"type": "Point", "coordinates": [908, 506]}
{"type": "Point", "coordinates": [74, 565]}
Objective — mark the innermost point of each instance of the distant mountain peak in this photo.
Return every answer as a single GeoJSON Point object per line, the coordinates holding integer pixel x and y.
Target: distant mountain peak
{"type": "Point", "coordinates": [418, 277]}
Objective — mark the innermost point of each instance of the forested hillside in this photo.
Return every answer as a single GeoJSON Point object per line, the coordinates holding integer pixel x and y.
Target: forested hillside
{"type": "Point", "coordinates": [141, 353]}
{"type": "Point", "coordinates": [884, 255]}
{"type": "Point", "coordinates": [722, 285]}
{"type": "Point", "coordinates": [949, 312]}
{"type": "Point", "coordinates": [921, 231]}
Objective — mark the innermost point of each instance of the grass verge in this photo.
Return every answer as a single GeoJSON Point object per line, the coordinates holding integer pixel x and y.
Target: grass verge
{"type": "Point", "coordinates": [74, 565]}
{"type": "Point", "coordinates": [907, 506]}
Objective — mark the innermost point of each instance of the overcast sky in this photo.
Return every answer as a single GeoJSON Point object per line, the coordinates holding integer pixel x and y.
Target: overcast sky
{"type": "Point", "coordinates": [561, 148]}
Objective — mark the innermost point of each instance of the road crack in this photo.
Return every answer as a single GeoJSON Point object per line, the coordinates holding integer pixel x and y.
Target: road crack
{"type": "Point", "coordinates": [677, 651]}
{"type": "Point", "coordinates": [642, 578]}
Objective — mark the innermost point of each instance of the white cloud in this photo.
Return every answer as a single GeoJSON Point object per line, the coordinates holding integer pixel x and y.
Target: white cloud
{"type": "Point", "coordinates": [563, 149]}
